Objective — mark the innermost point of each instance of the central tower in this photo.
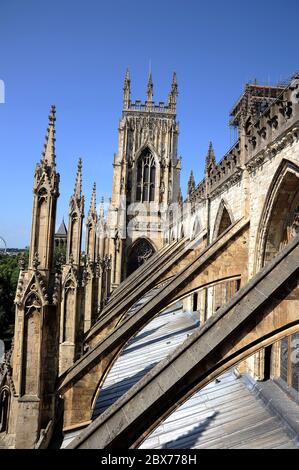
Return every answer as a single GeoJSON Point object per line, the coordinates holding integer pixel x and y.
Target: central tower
{"type": "Point", "coordinates": [146, 178]}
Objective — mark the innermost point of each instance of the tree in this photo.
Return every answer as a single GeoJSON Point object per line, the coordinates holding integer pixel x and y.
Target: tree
{"type": "Point", "coordinates": [9, 274]}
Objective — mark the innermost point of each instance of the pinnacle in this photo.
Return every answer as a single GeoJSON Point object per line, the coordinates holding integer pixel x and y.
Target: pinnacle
{"type": "Point", "coordinates": [191, 182]}
{"type": "Point", "coordinates": [210, 158]}
{"type": "Point", "coordinates": [150, 87]}
{"type": "Point", "coordinates": [49, 146]}
{"type": "Point", "coordinates": [92, 208]}
{"type": "Point", "coordinates": [127, 76]}
{"type": "Point", "coordinates": [174, 79]}
{"type": "Point", "coordinates": [78, 184]}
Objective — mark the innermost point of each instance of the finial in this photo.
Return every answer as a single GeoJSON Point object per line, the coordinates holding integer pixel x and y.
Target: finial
{"type": "Point", "coordinates": [174, 81]}
{"type": "Point", "coordinates": [173, 92]}
{"type": "Point", "coordinates": [49, 146]}
{"type": "Point", "coordinates": [78, 184]}
{"type": "Point", "coordinates": [210, 158]}
{"type": "Point", "coordinates": [93, 202]}
{"type": "Point", "coordinates": [150, 88]}
{"type": "Point", "coordinates": [127, 90]}
{"type": "Point", "coordinates": [127, 76]}
{"type": "Point", "coordinates": [191, 183]}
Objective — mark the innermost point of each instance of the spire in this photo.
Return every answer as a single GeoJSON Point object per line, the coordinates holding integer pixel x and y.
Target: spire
{"type": "Point", "coordinates": [191, 183]}
{"type": "Point", "coordinates": [174, 84]}
{"type": "Point", "coordinates": [46, 182]}
{"type": "Point", "coordinates": [173, 92]}
{"type": "Point", "coordinates": [78, 184]}
{"type": "Point", "coordinates": [62, 228]}
{"type": "Point", "coordinates": [49, 147]}
{"type": "Point", "coordinates": [93, 201]}
{"type": "Point", "coordinates": [210, 158]}
{"type": "Point", "coordinates": [150, 88]}
{"type": "Point", "coordinates": [127, 90]}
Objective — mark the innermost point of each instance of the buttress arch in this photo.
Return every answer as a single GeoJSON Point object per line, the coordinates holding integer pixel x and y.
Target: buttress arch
{"type": "Point", "coordinates": [278, 222]}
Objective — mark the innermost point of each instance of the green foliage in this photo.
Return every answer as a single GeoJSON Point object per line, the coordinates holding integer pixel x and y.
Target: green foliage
{"type": "Point", "coordinates": [9, 274]}
{"type": "Point", "coordinates": [59, 255]}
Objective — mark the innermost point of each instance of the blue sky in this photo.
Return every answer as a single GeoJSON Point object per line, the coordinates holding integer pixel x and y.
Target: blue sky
{"type": "Point", "coordinates": [74, 54]}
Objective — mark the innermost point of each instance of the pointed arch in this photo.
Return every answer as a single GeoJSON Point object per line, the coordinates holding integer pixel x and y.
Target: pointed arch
{"type": "Point", "coordinates": [279, 223]}
{"type": "Point", "coordinates": [4, 408]}
{"type": "Point", "coordinates": [279, 220]}
{"type": "Point", "coordinates": [224, 219]}
{"type": "Point", "coordinates": [141, 250]}
{"type": "Point", "coordinates": [146, 176]}
{"type": "Point", "coordinates": [33, 287]}
{"type": "Point", "coordinates": [68, 309]}
{"type": "Point", "coordinates": [32, 344]}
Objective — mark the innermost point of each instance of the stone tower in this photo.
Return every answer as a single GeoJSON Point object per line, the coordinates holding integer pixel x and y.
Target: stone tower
{"type": "Point", "coordinates": [146, 174]}
{"type": "Point", "coordinates": [35, 356]}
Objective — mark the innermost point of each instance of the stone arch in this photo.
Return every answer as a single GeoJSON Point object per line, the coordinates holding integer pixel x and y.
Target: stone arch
{"type": "Point", "coordinates": [74, 233]}
{"type": "Point", "coordinates": [224, 219]}
{"type": "Point", "coordinates": [68, 310]}
{"type": "Point", "coordinates": [146, 175]}
{"type": "Point", "coordinates": [279, 219]}
{"type": "Point", "coordinates": [232, 335]}
{"type": "Point", "coordinates": [279, 223]}
{"type": "Point", "coordinates": [4, 408]}
{"type": "Point", "coordinates": [42, 229]}
{"type": "Point", "coordinates": [141, 250]}
{"type": "Point", "coordinates": [71, 390]}
{"type": "Point", "coordinates": [90, 236]}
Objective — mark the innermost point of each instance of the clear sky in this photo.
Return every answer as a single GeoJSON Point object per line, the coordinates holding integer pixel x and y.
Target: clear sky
{"type": "Point", "coordinates": [74, 53]}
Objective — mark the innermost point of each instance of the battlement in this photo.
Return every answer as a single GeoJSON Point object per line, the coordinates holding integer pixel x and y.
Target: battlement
{"type": "Point", "coordinates": [150, 107]}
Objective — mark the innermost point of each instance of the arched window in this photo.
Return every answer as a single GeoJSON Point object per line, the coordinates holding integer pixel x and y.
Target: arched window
{"type": "Point", "coordinates": [4, 409]}
{"type": "Point", "coordinates": [140, 252]}
{"type": "Point", "coordinates": [146, 175]}
{"type": "Point", "coordinates": [68, 310]}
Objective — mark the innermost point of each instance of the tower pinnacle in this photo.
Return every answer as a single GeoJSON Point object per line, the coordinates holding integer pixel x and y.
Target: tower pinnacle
{"type": "Point", "coordinates": [150, 88]}
{"type": "Point", "coordinates": [49, 147]}
{"type": "Point", "coordinates": [210, 158]}
{"type": "Point", "coordinates": [78, 183]}
{"type": "Point", "coordinates": [93, 202]}
{"type": "Point", "coordinates": [127, 90]}
{"type": "Point", "coordinates": [173, 92]}
{"type": "Point", "coordinates": [191, 183]}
